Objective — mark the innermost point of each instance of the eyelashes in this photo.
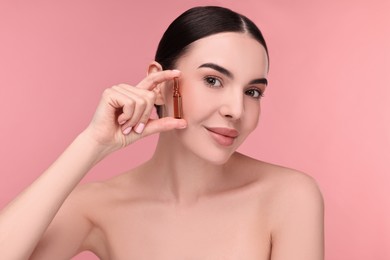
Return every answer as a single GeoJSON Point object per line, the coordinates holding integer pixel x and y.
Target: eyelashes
{"type": "Point", "coordinates": [216, 82]}
{"type": "Point", "coordinates": [213, 82]}
{"type": "Point", "coordinates": [255, 93]}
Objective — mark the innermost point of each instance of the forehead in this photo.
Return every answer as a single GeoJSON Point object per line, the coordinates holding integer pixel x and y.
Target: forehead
{"type": "Point", "coordinates": [236, 51]}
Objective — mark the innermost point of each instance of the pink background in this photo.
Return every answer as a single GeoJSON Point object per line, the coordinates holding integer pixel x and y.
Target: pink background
{"type": "Point", "coordinates": [326, 111]}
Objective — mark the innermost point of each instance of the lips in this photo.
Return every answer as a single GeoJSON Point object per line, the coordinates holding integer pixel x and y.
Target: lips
{"type": "Point", "coordinates": [229, 132]}
{"type": "Point", "coordinates": [223, 136]}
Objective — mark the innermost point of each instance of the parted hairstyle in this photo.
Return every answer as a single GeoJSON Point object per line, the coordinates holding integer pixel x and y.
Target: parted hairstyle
{"type": "Point", "coordinates": [197, 23]}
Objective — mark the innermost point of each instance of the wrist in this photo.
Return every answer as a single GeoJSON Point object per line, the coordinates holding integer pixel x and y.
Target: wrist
{"type": "Point", "coordinates": [91, 145]}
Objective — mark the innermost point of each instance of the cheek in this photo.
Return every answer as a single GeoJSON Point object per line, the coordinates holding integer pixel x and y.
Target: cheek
{"type": "Point", "coordinates": [252, 115]}
{"type": "Point", "coordinates": [196, 103]}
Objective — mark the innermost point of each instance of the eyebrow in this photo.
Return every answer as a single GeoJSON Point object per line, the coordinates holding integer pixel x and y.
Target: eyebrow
{"type": "Point", "coordinates": [217, 68]}
{"type": "Point", "coordinates": [259, 81]}
{"type": "Point", "coordinates": [229, 74]}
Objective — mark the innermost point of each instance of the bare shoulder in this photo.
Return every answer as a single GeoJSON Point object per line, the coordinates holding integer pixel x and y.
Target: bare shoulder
{"type": "Point", "coordinates": [284, 191]}
{"type": "Point", "coordinates": [90, 202]}
{"type": "Point", "coordinates": [294, 193]}
{"type": "Point", "coordinates": [88, 193]}
{"type": "Point", "coordinates": [281, 181]}
{"type": "Point", "coordinates": [295, 209]}
{"type": "Point", "coordinates": [292, 184]}
{"type": "Point", "coordinates": [102, 192]}
{"type": "Point", "coordinates": [71, 229]}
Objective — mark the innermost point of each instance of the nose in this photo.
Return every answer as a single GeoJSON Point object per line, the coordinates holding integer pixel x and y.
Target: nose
{"type": "Point", "coordinates": [232, 105]}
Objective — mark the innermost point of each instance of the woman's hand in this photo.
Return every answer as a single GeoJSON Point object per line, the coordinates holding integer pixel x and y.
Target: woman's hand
{"type": "Point", "coordinates": [123, 114]}
{"type": "Point", "coordinates": [121, 118]}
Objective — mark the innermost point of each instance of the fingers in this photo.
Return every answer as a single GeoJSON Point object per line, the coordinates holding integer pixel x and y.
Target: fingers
{"type": "Point", "coordinates": [142, 98]}
{"type": "Point", "coordinates": [137, 109]}
{"type": "Point", "coordinates": [153, 79]}
{"type": "Point", "coordinates": [137, 103]}
{"type": "Point", "coordinates": [163, 124]}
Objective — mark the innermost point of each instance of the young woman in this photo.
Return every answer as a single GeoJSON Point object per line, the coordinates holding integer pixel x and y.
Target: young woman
{"type": "Point", "coordinates": [196, 198]}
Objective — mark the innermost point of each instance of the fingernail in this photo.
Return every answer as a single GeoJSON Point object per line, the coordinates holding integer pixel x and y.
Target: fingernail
{"type": "Point", "coordinates": [176, 70]}
{"type": "Point", "coordinates": [127, 130]}
{"type": "Point", "coordinates": [140, 128]}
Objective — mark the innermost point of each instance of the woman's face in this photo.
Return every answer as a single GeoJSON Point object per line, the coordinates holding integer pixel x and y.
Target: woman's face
{"type": "Point", "coordinates": [223, 78]}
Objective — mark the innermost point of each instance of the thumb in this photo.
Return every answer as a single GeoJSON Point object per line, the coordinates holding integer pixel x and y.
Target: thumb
{"type": "Point", "coordinates": [163, 124]}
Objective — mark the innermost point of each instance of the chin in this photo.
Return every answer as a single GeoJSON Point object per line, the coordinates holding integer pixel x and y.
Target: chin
{"type": "Point", "coordinates": [206, 148]}
{"type": "Point", "coordinates": [216, 156]}
{"type": "Point", "coordinates": [219, 161]}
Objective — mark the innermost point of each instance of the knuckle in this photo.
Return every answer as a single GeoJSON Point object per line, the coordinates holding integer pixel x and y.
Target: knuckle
{"type": "Point", "coordinates": [123, 85]}
{"type": "Point", "coordinates": [154, 79]}
{"type": "Point", "coordinates": [142, 103]}
{"type": "Point", "coordinates": [150, 95]}
{"type": "Point", "coordinates": [128, 107]}
{"type": "Point", "coordinates": [149, 79]}
{"type": "Point", "coordinates": [107, 92]}
{"type": "Point", "coordinates": [115, 87]}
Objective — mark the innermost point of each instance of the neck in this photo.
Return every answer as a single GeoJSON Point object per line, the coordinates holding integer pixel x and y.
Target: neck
{"type": "Point", "coordinates": [180, 175]}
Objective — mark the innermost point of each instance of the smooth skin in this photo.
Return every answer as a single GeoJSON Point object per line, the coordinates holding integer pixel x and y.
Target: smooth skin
{"type": "Point", "coordinates": [195, 198]}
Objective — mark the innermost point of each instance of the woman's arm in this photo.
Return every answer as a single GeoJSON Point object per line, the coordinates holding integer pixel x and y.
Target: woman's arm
{"type": "Point", "coordinates": [24, 221]}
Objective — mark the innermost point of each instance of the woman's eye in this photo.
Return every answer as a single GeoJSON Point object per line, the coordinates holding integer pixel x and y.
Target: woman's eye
{"type": "Point", "coordinates": [255, 93]}
{"type": "Point", "coordinates": [213, 82]}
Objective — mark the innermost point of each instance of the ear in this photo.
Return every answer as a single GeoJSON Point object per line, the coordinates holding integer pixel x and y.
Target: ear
{"type": "Point", "coordinates": [153, 68]}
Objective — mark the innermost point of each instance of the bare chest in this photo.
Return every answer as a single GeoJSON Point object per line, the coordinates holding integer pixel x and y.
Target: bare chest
{"type": "Point", "coordinates": [212, 229]}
